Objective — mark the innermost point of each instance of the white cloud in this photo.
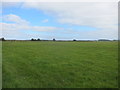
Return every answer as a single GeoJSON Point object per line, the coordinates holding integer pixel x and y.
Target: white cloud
{"type": "Point", "coordinates": [15, 19]}
{"type": "Point", "coordinates": [102, 15]}
{"type": "Point", "coordinates": [41, 28]}
{"type": "Point", "coordinates": [59, 0]}
{"type": "Point", "coordinates": [11, 31]}
{"type": "Point", "coordinates": [20, 25]}
{"type": "Point", "coordinates": [99, 15]}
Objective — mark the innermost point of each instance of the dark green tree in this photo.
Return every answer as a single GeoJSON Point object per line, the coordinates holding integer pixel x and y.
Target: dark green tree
{"type": "Point", "coordinates": [54, 39]}
{"type": "Point", "coordinates": [74, 40]}
{"type": "Point", "coordinates": [2, 39]}
{"type": "Point", "coordinates": [32, 39]}
{"type": "Point", "coordinates": [38, 39]}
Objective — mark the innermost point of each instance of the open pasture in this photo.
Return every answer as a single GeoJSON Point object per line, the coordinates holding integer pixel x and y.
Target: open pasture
{"type": "Point", "coordinates": [48, 64]}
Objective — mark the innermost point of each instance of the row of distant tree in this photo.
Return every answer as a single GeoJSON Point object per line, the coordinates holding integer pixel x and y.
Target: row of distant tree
{"type": "Point", "coordinates": [40, 39]}
{"type": "Point", "coordinates": [35, 39]}
{"type": "Point", "coordinates": [3, 39]}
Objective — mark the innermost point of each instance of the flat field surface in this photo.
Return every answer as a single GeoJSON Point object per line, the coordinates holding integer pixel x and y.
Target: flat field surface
{"type": "Point", "coordinates": [48, 64]}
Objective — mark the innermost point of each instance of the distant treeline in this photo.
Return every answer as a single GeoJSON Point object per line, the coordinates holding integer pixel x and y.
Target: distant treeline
{"type": "Point", "coordinates": [3, 39]}
{"type": "Point", "coordinates": [41, 40]}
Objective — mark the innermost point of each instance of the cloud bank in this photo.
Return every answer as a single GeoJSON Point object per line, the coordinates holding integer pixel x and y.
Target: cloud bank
{"type": "Point", "coordinates": [103, 16]}
{"type": "Point", "coordinates": [15, 27]}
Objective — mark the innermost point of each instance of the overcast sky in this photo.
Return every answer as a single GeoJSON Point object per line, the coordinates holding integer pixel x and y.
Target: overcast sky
{"type": "Point", "coordinates": [60, 20]}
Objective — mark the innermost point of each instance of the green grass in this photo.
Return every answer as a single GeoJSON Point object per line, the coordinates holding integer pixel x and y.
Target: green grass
{"type": "Point", "coordinates": [60, 64]}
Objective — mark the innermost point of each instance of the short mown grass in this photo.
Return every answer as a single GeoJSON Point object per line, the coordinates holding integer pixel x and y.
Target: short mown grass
{"type": "Point", "coordinates": [47, 64]}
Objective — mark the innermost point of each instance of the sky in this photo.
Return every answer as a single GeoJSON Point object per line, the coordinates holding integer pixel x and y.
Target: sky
{"type": "Point", "coordinates": [59, 20]}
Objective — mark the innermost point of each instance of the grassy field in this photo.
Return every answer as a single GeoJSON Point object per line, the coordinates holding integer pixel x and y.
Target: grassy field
{"type": "Point", "coordinates": [60, 64]}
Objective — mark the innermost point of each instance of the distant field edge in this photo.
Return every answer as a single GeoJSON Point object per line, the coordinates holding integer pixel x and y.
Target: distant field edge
{"type": "Point", "coordinates": [60, 88]}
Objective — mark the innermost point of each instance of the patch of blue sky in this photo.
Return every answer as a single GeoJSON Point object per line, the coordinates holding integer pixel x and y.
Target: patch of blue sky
{"type": "Point", "coordinates": [30, 31]}
{"type": "Point", "coordinates": [35, 17]}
